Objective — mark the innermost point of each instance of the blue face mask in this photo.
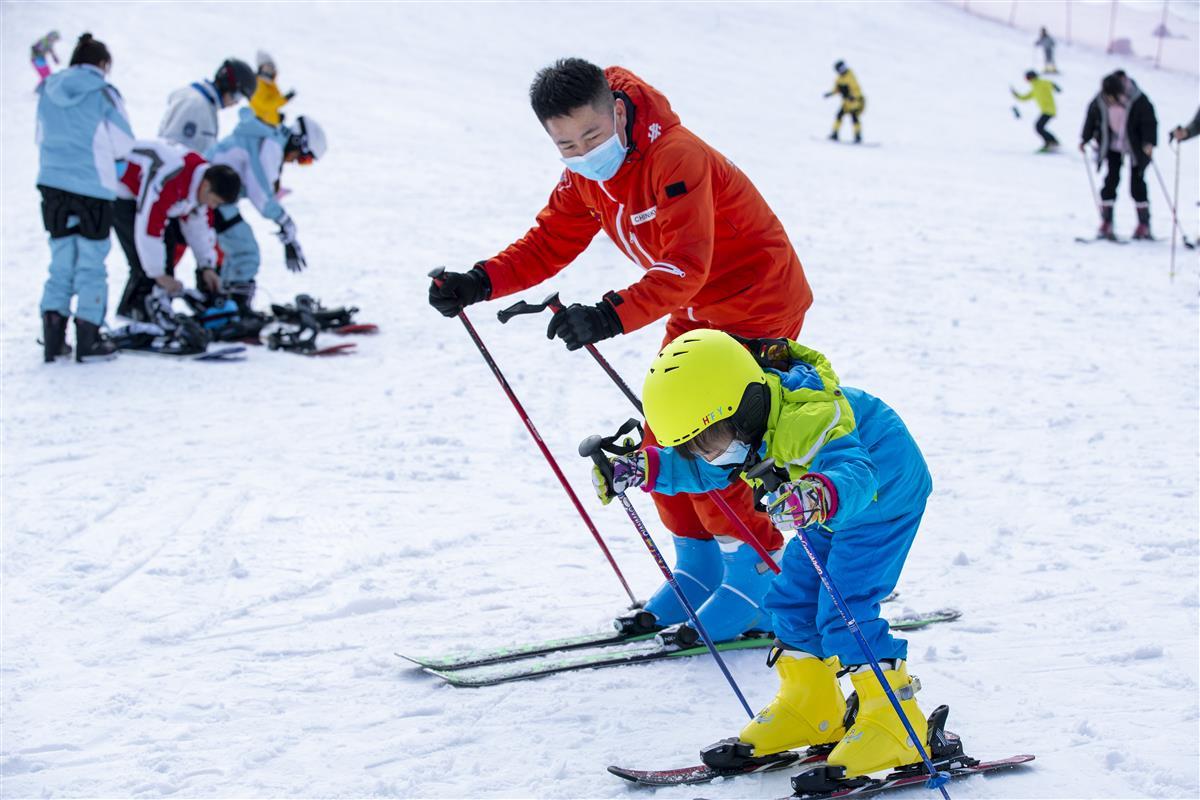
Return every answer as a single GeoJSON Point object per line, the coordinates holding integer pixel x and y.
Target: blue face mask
{"type": "Point", "coordinates": [734, 454]}
{"type": "Point", "coordinates": [602, 161]}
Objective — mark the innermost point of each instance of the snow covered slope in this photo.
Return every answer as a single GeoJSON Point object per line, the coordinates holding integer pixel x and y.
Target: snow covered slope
{"type": "Point", "coordinates": [207, 568]}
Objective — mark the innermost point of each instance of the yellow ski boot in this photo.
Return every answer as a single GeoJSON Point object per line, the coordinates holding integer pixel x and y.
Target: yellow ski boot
{"type": "Point", "coordinates": [878, 740]}
{"type": "Point", "coordinates": [807, 710]}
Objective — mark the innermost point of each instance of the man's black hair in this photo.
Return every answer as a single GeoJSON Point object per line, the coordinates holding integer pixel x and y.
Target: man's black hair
{"type": "Point", "coordinates": [224, 181]}
{"type": "Point", "coordinates": [1030, 75]}
{"type": "Point", "coordinates": [1113, 85]}
{"type": "Point", "coordinates": [566, 85]}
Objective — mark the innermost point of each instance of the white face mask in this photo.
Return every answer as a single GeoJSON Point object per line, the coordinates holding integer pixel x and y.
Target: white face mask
{"type": "Point", "coordinates": [735, 453]}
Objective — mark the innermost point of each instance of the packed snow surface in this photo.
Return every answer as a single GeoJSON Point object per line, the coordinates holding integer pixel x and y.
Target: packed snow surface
{"type": "Point", "coordinates": [208, 568]}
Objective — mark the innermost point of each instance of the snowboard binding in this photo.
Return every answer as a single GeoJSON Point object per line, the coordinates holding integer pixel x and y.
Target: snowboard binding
{"type": "Point", "coordinates": [338, 320]}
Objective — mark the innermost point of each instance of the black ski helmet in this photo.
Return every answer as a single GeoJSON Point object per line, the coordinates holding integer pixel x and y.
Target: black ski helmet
{"type": "Point", "coordinates": [235, 77]}
{"type": "Point", "coordinates": [839, 66]}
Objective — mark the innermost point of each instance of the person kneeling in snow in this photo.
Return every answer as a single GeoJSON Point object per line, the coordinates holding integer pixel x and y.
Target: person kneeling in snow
{"type": "Point", "coordinates": [861, 483]}
{"type": "Point", "coordinates": [257, 152]}
{"type": "Point", "coordinates": [166, 194]}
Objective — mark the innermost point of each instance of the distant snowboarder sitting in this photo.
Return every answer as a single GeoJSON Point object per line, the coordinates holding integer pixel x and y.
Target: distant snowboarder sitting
{"type": "Point", "coordinates": [861, 483]}
{"type": "Point", "coordinates": [853, 102]}
{"type": "Point", "coordinates": [267, 99]}
{"type": "Point", "coordinates": [1122, 121]}
{"type": "Point", "coordinates": [1046, 42]}
{"type": "Point", "coordinates": [37, 55]}
{"type": "Point", "coordinates": [1042, 92]}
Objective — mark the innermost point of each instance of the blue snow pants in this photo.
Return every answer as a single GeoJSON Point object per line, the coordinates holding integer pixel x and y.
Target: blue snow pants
{"type": "Point", "coordinates": [863, 558]}
{"type": "Point", "coordinates": [240, 256]}
{"type": "Point", "coordinates": [79, 242]}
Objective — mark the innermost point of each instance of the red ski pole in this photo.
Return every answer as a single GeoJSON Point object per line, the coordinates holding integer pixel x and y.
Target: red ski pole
{"type": "Point", "coordinates": [743, 533]}
{"type": "Point", "coordinates": [537, 437]}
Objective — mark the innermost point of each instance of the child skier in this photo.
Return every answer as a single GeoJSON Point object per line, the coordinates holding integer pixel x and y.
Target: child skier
{"type": "Point", "coordinates": [861, 483]}
{"type": "Point", "coordinates": [267, 99]}
{"type": "Point", "coordinates": [173, 190]}
{"type": "Point", "coordinates": [1122, 121]}
{"type": "Point", "coordinates": [82, 130]}
{"type": "Point", "coordinates": [37, 55]}
{"type": "Point", "coordinates": [257, 152]}
{"type": "Point", "coordinates": [853, 102]}
{"type": "Point", "coordinates": [191, 117]}
{"type": "Point", "coordinates": [1042, 92]}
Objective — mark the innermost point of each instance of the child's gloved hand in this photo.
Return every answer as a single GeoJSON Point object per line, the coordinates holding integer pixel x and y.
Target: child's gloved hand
{"type": "Point", "coordinates": [800, 503]}
{"type": "Point", "coordinates": [628, 472]}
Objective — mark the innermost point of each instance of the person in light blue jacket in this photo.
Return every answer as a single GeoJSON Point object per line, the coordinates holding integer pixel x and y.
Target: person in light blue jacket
{"type": "Point", "coordinates": [257, 152]}
{"type": "Point", "coordinates": [82, 134]}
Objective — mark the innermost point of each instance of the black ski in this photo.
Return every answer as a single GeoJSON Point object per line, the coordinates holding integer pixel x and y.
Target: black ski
{"type": "Point", "coordinates": [702, 773]}
{"type": "Point", "coordinates": [911, 776]}
{"type": "Point", "coordinates": [1093, 239]}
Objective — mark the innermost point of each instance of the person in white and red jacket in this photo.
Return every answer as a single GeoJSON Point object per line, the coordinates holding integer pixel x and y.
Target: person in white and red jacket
{"type": "Point", "coordinates": [164, 199]}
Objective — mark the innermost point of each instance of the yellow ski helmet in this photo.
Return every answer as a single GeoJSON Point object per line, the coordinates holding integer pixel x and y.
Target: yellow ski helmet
{"type": "Point", "coordinates": [698, 379]}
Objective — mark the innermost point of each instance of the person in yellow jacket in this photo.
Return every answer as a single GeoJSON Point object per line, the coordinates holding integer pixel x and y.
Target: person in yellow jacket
{"type": "Point", "coordinates": [853, 101]}
{"type": "Point", "coordinates": [267, 99]}
{"type": "Point", "coordinates": [1041, 91]}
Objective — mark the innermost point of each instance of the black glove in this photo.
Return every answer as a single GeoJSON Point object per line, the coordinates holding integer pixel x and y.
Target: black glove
{"type": "Point", "coordinates": [578, 325]}
{"type": "Point", "coordinates": [293, 256]}
{"type": "Point", "coordinates": [290, 95]}
{"type": "Point", "coordinates": [451, 292]}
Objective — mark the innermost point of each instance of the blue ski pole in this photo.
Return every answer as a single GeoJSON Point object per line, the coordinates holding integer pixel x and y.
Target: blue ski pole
{"type": "Point", "coordinates": [593, 447]}
{"type": "Point", "coordinates": [937, 780]}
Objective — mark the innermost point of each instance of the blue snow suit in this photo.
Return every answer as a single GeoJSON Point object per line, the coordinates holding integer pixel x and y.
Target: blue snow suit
{"type": "Point", "coordinates": [82, 133]}
{"type": "Point", "coordinates": [255, 150]}
{"type": "Point", "coordinates": [880, 482]}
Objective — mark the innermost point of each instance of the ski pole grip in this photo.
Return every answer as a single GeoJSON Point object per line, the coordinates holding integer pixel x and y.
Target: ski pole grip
{"type": "Point", "coordinates": [436, 273]}
{"type": "Point", "coordinates": [593, 447]}
{"type": "Point", "coordinates": [553, 303]}
{"type": "Point", "coordinates": [765, 472]}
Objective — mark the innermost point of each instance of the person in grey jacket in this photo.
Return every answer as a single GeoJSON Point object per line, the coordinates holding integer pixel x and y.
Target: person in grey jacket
{"type": "Point", "coordinates": [82, 132]}
{"type": "Point", "coordinates": [1182, 134]}
{"type": "Point", "coordinates": [1046, 42]}
{"type": "Point", "coordinates": [191, 118]}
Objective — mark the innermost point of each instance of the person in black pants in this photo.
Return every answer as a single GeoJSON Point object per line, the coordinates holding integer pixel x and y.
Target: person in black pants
{"type": "Point", "coordinates": [1121, 120]}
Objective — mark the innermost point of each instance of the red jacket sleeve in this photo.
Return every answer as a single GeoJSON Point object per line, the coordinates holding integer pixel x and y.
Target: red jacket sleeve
{"type": "Point", "coordinates": [564, 229]}
{"type": "Point", "coordinates": [686, 220]}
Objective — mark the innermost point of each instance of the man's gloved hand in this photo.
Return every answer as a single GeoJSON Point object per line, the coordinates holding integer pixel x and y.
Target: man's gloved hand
{"type": "Point", "coordinates": [628, 472]}
{"type": "Point", "coordinates": [808, 501]}
{"type": "Point", "coordinates": [580, 325]}
{"type": "Point", "coordinates": [209, 279]}
{"type": "Point", "coordinates": [290, 95]}
{"type": "Point", "coordinates": [451, 292]}
{"type": "Point", "coordinates": [293, 254]}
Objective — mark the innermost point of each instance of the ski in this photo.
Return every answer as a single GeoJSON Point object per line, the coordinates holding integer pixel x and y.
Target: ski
{"type": "Point", "coordinates": [634, 653]}
{"type": "Point", "coordinates": [233, 352]}
{"type": "Point", "coordinates": [1094, 239]}
{"type": "Point", "coordinates": [541, 663]}
{"type": "Point", "coordinates": [517, 652]}
{"type": "Point", "coordinates": [358, 327]}
{"type": "Point", "coordinates": [849, 142]}
{"type": "Point", "coordinates": [912, 776]}
{"type": "Point", "coordinates": [702, 773]}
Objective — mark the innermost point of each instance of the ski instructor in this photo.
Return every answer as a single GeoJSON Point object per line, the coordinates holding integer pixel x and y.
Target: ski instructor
{"type": "Point", "coordinates": [713, 255]}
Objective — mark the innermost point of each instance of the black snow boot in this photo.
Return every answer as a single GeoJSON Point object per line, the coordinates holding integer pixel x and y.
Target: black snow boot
{"type": "Point", "coordinates": [91, 344]}
{"type": "Point", "coordinates": [1143, 228]}
{"type": "Point", "coordinates": [1106, 222]}
{"type": "Point", "coordinates": [54, 336]}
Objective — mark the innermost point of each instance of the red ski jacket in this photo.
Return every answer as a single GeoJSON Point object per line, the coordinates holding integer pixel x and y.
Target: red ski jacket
{"type": "Point", "coordinates": [713, 252]}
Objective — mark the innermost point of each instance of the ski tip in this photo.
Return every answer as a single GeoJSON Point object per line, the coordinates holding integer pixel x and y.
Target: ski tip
{"type": "Point", "coordinates": [335, 350]}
